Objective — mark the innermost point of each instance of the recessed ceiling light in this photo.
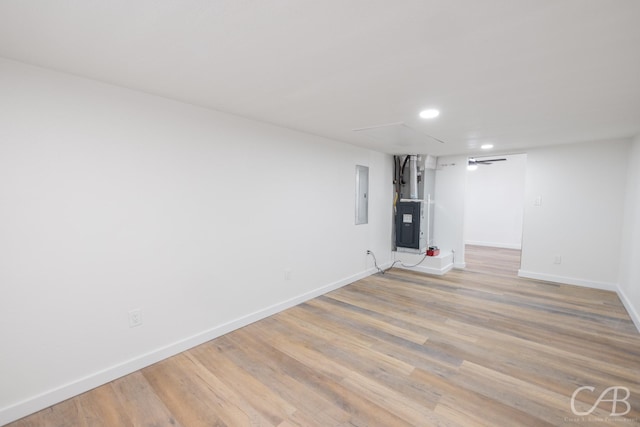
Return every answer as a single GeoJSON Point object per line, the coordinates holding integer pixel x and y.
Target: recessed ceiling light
{"type": "Point", "coordinates": [429, 114]}
{"type": "Point", "coordinates": [486, 146]}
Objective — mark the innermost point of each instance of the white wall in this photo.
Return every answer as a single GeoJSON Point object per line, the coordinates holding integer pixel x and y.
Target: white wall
{"type": "Point", "coordinates": [494, 203]}
{"type": "Point", "coordinates": [630, 254]}
{"type": "Point", "coordinates": [113, 200]}
{"type": "Point", "coordinates": [448, 224]}
{"type": "Point", "coordinates": [582, 191]}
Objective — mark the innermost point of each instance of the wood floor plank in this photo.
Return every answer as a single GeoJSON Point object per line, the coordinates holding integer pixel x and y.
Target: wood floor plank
{"type": "Point", "coordinates": [64, 414]}
{"type": "Point", "coordinates": [103, 407]}
{"type": "Point", "coordinates": [254, 393]}
{"type": "Point", "coordinates": [137, 400]}
{"type": "Point", "coordinates": [469, 407]}
{"type": "Point", "coordinates": [190, 401]}
{"type": "Point", "coordinates": [399, 317]}
{"type": "Point", "coordinates": [349, 312]}
{"type": "Point", "coordinates": [318, 374]}
{"type": "Point", "coordinates": [477, 347]}
{"type": "Point", "coordinates": [356, 351]}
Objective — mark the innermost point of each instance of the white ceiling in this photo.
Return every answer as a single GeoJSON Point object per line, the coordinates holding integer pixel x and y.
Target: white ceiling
{"type": "Point", "coordinates": [516, 73]}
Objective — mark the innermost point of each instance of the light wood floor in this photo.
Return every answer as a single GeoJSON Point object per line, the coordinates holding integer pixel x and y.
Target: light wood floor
{"type": "Point", "coordinates": [400, 349]}
{"type": "Point", "coordinates": [495, 261]}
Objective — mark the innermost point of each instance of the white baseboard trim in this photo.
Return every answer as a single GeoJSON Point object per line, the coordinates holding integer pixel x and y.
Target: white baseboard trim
{"type": "Point", "coordinates": [633, 313]}
{"type": "Point", "coordinates": [460, 265]}
{"type": "Point", "coordinates": [428, 270]}
{"type": "Point", "coordinates": [568, 280]}
{"type": "Point", "coordinates": [44, 400]}
{"type": "Point", "coordinates": [494, 244]}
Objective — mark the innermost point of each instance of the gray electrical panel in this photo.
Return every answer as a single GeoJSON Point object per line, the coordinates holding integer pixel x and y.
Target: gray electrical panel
{"type": "Point", "coordinates": [362, 194]}
{"type": "Point", "coordinates": [411, 224]}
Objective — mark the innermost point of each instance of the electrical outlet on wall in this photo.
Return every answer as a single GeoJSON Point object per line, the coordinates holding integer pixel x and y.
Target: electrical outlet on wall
{"type": "Point", "coordinates": [135, 318]}
{"type": "Point", "coordinates": [557, 259]}
{"type": "Point", "coordinates": [287, 274]}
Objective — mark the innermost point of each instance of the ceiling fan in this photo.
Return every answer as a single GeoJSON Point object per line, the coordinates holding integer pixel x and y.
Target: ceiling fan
{"type": "Point", "coordinates": [473, 161]}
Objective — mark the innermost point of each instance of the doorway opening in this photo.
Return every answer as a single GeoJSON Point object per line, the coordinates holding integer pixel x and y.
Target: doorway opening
{"type": "Point", "coordinates": [494, 207]}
